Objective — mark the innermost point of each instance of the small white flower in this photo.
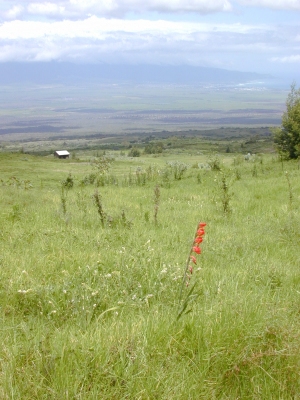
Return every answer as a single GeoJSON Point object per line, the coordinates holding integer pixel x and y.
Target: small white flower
{"type": "Point", "coordinates": [25, 291]}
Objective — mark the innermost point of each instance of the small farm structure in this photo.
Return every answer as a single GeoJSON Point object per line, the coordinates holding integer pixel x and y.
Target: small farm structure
{"type": "Point", "coordinates": [61, 154]}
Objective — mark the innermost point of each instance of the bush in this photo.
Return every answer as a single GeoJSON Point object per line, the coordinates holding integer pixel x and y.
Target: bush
{"type": "Point", "coordinates": [154, 148]}
{"type": "Point", "coordinates": [134, 152]}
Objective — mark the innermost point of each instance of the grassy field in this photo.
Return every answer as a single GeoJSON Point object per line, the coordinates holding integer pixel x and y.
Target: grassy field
{"type": "Point", "coordinates": [93, 252]}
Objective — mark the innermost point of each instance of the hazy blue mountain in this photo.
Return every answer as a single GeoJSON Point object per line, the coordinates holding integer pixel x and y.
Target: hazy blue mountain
{"type": "Point", "coordinates": [69, 73]}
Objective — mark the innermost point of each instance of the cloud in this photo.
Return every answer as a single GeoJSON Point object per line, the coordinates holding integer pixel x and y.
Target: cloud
{"type": "Point", "coordinates": [86, 31]}
{"type": "Point", "coordinates": [138, 41]}
{"type": "Point", "coordinates": [287, 59]}
{"type": "Point", "coordinates": [293, 5]}
{"type": "Point", "coordinates": [94, 27]}
{"type": "Point", "coordinates": [13, 12]}
{"type": "Point", "coordinates": [45, 9]}
{"type": "Point", "coordinates": [80, 9]}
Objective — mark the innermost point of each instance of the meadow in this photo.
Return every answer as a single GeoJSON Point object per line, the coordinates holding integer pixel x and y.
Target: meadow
{"type": "Point", "coordinates": [92, 261]}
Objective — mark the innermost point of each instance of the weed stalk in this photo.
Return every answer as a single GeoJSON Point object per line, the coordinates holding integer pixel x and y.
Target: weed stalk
{"type": "Point", "coordinates": [156, 202]}
{"type": "Point", "coordinates": [290, 189]}
{"type": "Point", "coordinates": [98, 203]}
{"type": "Point", "coordinates": [225, 194]}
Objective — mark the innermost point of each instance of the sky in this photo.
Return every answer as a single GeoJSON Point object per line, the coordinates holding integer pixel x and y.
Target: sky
{"type": "Point", "coordinates": [246, 35]}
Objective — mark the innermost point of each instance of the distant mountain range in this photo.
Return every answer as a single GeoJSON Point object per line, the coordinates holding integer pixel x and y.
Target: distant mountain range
{"type": "Point", "coordinates": [72, 74]}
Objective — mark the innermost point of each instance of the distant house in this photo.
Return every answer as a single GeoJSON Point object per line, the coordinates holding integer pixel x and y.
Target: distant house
{"type": "Point", "coordinates": [62, 154]}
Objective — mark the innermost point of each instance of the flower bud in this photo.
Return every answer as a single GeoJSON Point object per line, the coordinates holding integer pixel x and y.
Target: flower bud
{"type": "Point", "coordinates": [197, 249]}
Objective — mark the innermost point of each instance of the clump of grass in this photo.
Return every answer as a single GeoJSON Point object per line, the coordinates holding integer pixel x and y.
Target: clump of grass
{"type": "Point", "coordinates": [238, 175]}
{"type": "Point", "coordinates": [16, 182]}
{"type": "Point", "coordinates": [199, 178]}
{"type": "Point", "coordinates": [102, 165]}
{"type": "Point", "coordinates": [124, 220]}
{"type": "Point", "coordinates": [178, 169]}
{"type": "Point", "coordinates": [15, 213]}
{"type": "Point", "coordinates": [215, 163]}
{"type": "Point", "coordinates": [146, 216]}
{"type": "Point", "coordinates": [68, 183]}
{"type": "Point", "coordinates": [254, 171]}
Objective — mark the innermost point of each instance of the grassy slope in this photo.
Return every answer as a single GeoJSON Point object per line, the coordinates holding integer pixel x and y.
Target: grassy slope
{"type": "Point", "coordinates": [89, 312]}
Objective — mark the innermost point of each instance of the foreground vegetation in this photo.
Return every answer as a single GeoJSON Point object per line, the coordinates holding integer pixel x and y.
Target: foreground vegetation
{"type": "Point", "coordinates": [93, 251]}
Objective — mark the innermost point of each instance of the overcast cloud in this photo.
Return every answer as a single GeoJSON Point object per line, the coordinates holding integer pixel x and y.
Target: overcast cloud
{"type": "Point", "coordinates": [247, 35]}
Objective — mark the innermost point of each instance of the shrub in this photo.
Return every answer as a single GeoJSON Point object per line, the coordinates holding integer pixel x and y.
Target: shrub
{"type": "Point", "coordinates": [134, 152]}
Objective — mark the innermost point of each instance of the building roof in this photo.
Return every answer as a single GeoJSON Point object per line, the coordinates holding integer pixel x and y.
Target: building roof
{"type": "Point", "coordinates": [62, 153]}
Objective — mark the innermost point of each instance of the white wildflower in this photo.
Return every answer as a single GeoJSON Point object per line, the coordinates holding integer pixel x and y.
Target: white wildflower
{"type": "Point", "coordinates": [25, 291]}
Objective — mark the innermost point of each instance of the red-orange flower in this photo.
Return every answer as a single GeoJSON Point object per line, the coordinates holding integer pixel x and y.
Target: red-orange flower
{"type": "Point", "coordinates": [197, 249]}
{"type": "Point", "coordinates": [201, 225]}
{"type": "Point", "coordinates": [200, 232]}
{"type": "Point", "coordinates": [198, 240]}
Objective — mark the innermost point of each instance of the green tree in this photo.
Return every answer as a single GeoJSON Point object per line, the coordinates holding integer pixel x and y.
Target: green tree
{"type": "Point", "coordinates": [287, 137]}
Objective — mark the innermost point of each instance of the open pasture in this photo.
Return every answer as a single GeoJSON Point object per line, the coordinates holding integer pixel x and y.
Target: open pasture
{"type": "Point", "coordinates": [92, 256]}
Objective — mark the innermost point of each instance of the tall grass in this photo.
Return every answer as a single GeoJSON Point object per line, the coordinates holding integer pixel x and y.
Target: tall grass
{"type": "Point", "coordinates": [88, 310]}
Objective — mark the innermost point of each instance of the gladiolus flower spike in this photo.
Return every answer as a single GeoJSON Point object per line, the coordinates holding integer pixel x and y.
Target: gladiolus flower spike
{"type": "Point", "coordinates": [200, 232]}
{"type": "Point", "coordinates": [195, 249]}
